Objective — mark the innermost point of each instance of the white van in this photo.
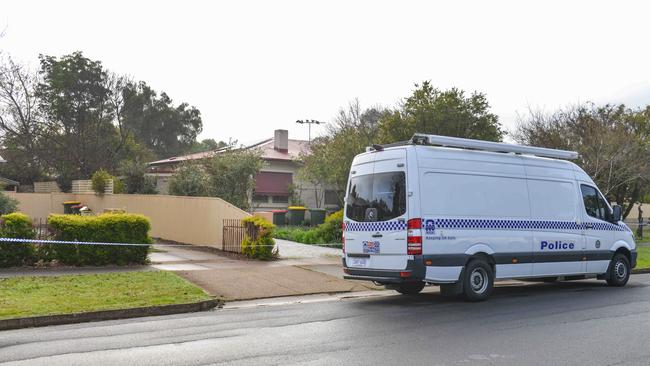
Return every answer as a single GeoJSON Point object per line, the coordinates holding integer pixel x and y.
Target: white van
{"type": "Point", "coordinates": [462, 213]}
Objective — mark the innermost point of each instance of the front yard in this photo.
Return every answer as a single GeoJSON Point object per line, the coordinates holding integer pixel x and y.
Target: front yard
{"type": "Point", "coordinates": [35, 296]}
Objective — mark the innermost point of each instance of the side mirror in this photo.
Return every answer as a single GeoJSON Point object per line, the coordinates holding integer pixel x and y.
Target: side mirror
{"type": "Point", "coordinates": [616, 213]}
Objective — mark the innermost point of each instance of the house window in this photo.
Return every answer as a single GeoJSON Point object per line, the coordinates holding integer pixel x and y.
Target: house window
{"type": "Point", "coordinates": [331, 197]}
{"type": "Point", "coordinates": [260, 198]}
{"type": "Point", "coordinates": [280, 199]}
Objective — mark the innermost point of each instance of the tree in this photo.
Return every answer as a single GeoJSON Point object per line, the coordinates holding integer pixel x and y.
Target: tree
{"type": "Point", "coordinates": [20, 122]}
{"type": "Point", "coordinates": [190, 179]}
{"type": "Point", "coordinates": [232, 175]}
{"type": "Point", "coordinates": [449, 113]}
{"type": "Point", "coordinates": [77, 98]}
{"type": "Point", "coordinates": [163, 128]}
{"type": "Point", "coordinates": [209, 145]}
{"type": "Point", "coordinates": [330, 156]}
{"type": "Point", "coordinates": [426, 110]}
{"type": "Point", "coordinates": [613, 142]}
{"type": "Point", "coordinates": [135, 178]}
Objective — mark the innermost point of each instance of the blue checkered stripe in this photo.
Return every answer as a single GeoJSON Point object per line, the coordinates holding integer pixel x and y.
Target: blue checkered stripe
{"type": "Point", "coordinates": [376, 226]}
{"type": "Point", "coordinates": [480, 224]}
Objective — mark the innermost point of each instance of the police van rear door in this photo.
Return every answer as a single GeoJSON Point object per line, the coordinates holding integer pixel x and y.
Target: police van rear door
{"type": "Point", "coordinates": [375, 214]}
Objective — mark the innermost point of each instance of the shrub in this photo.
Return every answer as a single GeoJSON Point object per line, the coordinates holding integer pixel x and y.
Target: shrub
{"type": "Point", "coordinates": [118, 185]}
{"type": "Point", "coordinates": [7, 204]}
{"type": "Point", "coordinates": [135, 178]}
{"type": "Point", "coordinates": [109, 228]}
{"type": "Point", "coordinates": [190, 180]}
{"type": "Point", "coordinates": [17, 225]}
{"type": "Point", "coordinates": [330, 231]}
{"type": "Point", "coordinates": [261, 247]}
{"type": "Point", "coordinates": [100, 180]}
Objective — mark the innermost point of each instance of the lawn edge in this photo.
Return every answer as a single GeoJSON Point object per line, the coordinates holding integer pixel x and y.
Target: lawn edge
{"type": "Point", "coordinates": [94, 316]}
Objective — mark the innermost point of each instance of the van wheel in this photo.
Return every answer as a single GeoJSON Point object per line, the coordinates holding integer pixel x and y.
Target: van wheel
{"type": "Point", "coordinates": [478, 280]}
{"type": "Point", "coordinates": [619, 271]}
{"type": "Point", "coordinates": [410, 288]}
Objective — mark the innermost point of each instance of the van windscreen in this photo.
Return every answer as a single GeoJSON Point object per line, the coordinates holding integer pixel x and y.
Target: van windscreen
{"type": "Point", "coordinates": [383, 192]}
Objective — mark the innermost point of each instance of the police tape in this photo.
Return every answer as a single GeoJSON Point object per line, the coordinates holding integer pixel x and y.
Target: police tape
{"type": "Point", "coordinates": [69, 242]}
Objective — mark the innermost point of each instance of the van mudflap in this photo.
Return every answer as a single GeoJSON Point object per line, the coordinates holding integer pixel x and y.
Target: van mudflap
{"type": "Point", "coordinates": [414, 267]}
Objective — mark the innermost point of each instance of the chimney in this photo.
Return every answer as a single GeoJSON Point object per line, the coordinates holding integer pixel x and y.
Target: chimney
{"type": "Point", "coordinates": [281, 140]}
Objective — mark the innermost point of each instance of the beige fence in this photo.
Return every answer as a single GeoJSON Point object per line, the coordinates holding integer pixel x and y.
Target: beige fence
{"type": "Point", "coordinates": [192, 220]}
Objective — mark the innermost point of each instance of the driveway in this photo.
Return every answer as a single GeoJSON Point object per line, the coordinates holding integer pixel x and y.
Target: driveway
{"type": "Point", "coordinates": [301, 270]}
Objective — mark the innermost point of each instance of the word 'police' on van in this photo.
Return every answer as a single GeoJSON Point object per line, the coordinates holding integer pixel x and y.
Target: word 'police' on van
{"type": "Point", "coordinates": [463, 213]}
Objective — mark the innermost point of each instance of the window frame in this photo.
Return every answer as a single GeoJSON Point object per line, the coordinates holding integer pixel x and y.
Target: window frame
{"type": "Point", "coordinates": [609, 214]}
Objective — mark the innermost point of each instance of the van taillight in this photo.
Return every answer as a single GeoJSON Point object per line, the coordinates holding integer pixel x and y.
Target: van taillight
{"type": "Point", "coordinates": [414, 237]}
{"type": "Point", "coordinates": [343, 236]}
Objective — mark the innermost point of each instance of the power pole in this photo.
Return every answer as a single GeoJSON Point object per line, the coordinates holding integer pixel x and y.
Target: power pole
{"type": "Point", "coordinates": [309, 122]}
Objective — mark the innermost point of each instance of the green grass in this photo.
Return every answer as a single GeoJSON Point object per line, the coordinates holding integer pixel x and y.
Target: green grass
{"type": "Point", "coordinates": [643, 258]}
{"type": "Point", "coordinates": [34, 296]}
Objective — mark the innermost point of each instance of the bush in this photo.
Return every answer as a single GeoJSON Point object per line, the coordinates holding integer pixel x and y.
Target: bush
{"type": "Point", "coordinates": [190, 180]}
{"type": "Point", "coordinates": [331, 231]}
{"type": "Point", "coordinates": [135, 178]}
{"type": "Point", "coordinates": [263, 246]}
{"type": "Point", "coordinates": [118, 185]}
{"type": "Point", "coordinates": [109, 228]}
{"type": "Point", "coordinates": [100, 180]}
{"type": "Point", "coordinates": [7, 204]}
{"type": "Point", "coordinates": [17, 225]}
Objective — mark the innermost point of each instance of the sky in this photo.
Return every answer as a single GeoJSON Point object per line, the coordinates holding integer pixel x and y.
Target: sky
{"type": "Point", "coordinates": [252, 67]}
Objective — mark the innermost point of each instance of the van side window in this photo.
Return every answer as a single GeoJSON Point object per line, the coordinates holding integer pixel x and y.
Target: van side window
{"type": "Point", "coordinates": [595, 204]}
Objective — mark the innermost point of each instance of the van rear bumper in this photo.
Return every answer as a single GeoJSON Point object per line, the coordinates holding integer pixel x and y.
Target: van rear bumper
{"type": "Point", "coordinates": [414, 267]}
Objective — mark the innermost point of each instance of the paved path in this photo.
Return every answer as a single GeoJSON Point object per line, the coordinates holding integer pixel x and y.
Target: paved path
{"type": "Point", "coordinates": [577, 323]}
{"type": "Point", "coordinates": [307, 270]}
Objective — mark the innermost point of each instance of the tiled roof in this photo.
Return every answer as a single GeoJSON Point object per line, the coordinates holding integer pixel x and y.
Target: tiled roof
{"type": "Point", "coordinates": [295, 148]}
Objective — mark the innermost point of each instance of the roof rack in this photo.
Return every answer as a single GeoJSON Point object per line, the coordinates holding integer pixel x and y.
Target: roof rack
{"type": "Point", "coordinates": [424, 139]}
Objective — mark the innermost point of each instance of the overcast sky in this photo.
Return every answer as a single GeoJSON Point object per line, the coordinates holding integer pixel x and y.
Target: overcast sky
{"type": "Point", "coordinates": [255, 66]}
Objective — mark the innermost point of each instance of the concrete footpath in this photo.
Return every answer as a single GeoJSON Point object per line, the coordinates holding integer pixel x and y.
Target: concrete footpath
{"type": "Point", "coordinates": [301, 270]}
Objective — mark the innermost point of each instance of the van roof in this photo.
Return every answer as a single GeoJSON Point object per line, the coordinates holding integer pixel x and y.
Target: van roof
{"type": "Point", "coordinates": [507, 158]}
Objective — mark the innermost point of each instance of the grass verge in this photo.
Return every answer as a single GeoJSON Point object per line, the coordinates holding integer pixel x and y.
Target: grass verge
{"type": "Point", "coordinates": [37, 296]}
{"type": "Point", "coordinates": [643, 257]}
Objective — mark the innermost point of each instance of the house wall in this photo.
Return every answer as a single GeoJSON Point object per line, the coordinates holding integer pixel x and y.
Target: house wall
{"type": "Point", "coordinates": [306, 190]}
{"type": "Point", "coordinates": [191, 220]}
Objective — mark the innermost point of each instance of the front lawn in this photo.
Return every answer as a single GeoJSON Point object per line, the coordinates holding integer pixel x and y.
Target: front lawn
{"type": "Point", "coordinates": [34, 296]}
{"type": "Point", "coordinates": [643, 257]}
{"type": "Point", "coordinates": [305, 235]}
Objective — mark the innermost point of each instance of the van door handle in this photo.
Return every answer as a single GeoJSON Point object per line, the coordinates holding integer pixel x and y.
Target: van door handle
{"type": "Point", "coordinates": [378, 235]}
{"type": "Point", "coordinates": [589, 225]}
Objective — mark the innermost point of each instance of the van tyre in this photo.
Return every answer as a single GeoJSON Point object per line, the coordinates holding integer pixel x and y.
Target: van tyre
{"type": "Point", "coordinates": [478, 280]}
{"type": "Point", "coordinates": [619, 270]}
{"type": "Point", "coordinates": [410, 288]}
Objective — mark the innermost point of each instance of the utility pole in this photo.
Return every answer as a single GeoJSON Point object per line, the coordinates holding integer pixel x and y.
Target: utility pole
{"type": "Point", "coordinates": [309, 122]}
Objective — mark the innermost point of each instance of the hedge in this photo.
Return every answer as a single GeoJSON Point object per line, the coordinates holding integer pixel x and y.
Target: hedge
{"type": "Point", "coordinates": [16, 225]}
{"type": "Point", "coordinates": [109, 228]}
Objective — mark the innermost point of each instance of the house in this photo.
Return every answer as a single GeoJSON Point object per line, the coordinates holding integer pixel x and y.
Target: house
{"type": "Point", "coordinates": [7, 184]}
{"type": "Point", "coordinates": [276, 181]}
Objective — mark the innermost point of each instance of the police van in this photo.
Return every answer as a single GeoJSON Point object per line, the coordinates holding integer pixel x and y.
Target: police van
{"type": "Point", "coordinates": [462, 213]}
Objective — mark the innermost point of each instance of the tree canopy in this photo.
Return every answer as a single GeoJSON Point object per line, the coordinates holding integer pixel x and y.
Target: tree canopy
{"type": "Point", "coordinates": [426, 110]}
{"type": "Point", "coordinates": [613, 142]}
{"type": "Point", "coordinates": [73, 117]}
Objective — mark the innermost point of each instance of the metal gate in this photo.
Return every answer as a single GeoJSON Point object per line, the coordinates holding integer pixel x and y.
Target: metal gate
{"type": "Point", "coordinates": [234, 232]}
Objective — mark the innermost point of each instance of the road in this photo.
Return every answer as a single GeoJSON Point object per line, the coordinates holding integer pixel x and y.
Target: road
{"type": "Point", "coordinates": [579, 323]}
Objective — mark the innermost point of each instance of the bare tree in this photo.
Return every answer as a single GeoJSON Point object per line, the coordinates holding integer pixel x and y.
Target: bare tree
{"type": "Point", "coordinates": [20, 126]}
{"type": "Point", "coordinates": [613, 142]}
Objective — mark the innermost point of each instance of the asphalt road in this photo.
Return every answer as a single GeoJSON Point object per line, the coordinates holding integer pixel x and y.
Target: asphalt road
{"type": "Point", "coordinates": [579, 323]}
